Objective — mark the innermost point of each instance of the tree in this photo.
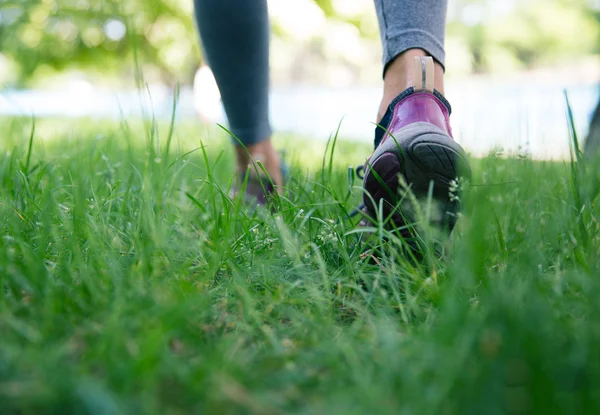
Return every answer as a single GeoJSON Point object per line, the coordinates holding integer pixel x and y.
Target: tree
{"type": "Point", "coordinates": [100, 34]}
{"type": "Point", "coordinates": [38, 36]}
{"type": "Point", "coordinates": [592, 143]}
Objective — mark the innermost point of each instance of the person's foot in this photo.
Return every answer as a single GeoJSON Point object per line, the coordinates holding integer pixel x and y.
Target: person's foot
{"type": "Point", "coordinates": [414, 150]}
{"type": "Point", "coordinates": [260, 186]}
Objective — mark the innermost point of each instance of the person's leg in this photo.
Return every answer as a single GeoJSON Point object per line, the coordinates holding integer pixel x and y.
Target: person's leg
{"type": "Point", "coordinates": [409, 28]}
{"type": "Point", "coordinates": [235, 39]}
{"type": "Point", "coordinates": [413, 139]}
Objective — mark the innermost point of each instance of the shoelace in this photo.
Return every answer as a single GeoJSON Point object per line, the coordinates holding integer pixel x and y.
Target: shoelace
{"type": "Point", "coordinates": [359, 172]}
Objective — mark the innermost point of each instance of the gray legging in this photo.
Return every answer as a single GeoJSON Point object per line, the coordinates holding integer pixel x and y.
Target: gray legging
{"type": "Point", "coordinates": [235, 39]}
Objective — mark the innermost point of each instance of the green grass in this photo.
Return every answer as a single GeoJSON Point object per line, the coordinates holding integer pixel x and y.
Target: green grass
{"type": "Point", "coordinates": [131, 283]}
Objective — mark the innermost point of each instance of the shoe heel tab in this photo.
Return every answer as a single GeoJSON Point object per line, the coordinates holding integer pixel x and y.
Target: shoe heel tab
{"type": "Point", "coordinates": [423, 73]}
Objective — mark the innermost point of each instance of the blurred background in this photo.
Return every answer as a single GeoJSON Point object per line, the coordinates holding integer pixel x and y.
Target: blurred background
{"type": "Point", "coordinates": [508, 62]}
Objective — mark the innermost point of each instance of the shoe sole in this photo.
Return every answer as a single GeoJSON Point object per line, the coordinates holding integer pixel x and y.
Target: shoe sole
{"type": "Point", "coordinates": [424, 155]}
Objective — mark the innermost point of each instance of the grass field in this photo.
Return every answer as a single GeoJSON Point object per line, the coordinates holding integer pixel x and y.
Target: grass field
{"type": "Point", "coordinates": [131, 284]}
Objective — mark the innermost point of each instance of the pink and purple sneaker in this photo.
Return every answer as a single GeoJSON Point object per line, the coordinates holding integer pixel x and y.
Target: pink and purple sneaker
{"type": "Point", "coordinates": [414, 149]}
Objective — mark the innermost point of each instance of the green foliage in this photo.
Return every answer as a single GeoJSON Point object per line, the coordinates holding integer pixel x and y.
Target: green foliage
{"type": "Point", "coordinates": [539, 31]}
{"type": "Point", "coordinates": [534, 33]}
{"type": "Point", "coordinates": [132, 283]}
{"type": "Point", "coordinates": [54, 35]}
{"type": "Point", "coordinates": [39, 37]}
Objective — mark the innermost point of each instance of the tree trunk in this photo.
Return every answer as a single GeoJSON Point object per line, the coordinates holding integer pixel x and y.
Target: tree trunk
{"type": "Point", "coordinates": [592, 144]}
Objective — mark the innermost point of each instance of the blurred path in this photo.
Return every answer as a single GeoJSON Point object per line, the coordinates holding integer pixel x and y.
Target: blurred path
{"type": "Point", "coordinates": [514, 116]}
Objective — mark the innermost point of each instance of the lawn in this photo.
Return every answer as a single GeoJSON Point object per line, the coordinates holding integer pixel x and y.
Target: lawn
{"type": "Point", "coordinates": [132, 284]}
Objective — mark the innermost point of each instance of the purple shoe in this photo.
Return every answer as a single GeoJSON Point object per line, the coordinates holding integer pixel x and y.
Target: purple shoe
{"type": "Point", "coordinates": [414, 145]}
{"type": "Point", "coordinates": [259, 189]}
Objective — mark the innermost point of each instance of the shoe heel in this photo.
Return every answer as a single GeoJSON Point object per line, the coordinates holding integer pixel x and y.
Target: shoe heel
{"type": "Point", "coordinates": [443, 163]}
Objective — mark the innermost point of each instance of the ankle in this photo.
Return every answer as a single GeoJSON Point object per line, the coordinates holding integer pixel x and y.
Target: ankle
{"type": "Point", "coordinates": [399, 76]}
{"type": "Point", "coordinates": [263, 152]}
